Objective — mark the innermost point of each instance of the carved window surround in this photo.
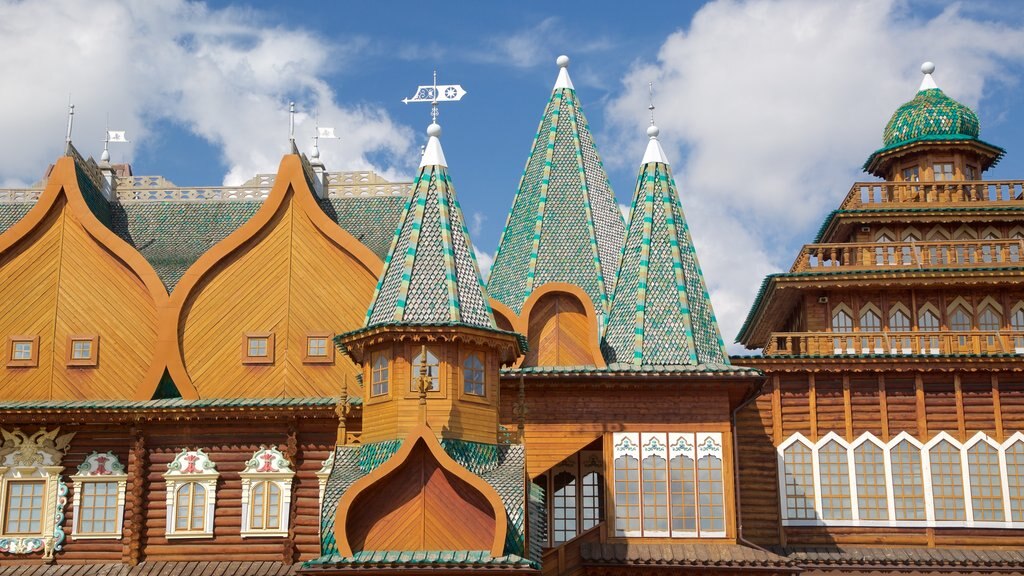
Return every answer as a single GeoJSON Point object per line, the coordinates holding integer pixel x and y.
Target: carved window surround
{"type": "Point", "coordinates": [191, 466]}
{"type": "Point", "coordinates": [267, 465]}
{"type": "Point", "coordinates": [99, 467]}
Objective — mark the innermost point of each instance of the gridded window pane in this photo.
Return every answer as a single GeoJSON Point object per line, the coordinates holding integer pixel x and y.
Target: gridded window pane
{"type": "Point", "coordinates": [1015, 479]}
{"type": "Point", "coordinates": [593, 500]}
{"type": "Point", "coordinates": [842, 322]}
{"type": "Point", "coordinates": [907, 482]}
{"type": "Point", "coordinates": [316, 347]}
{"type": "Point", "coordinates": [81, 349]}
{"type": "Point", "coordinates": [988, 320]}
{"type": "Point", "coordinates": [563, 508]}
{"type": "Point", "coordinates": [899, 321]}
{"type": "Point", "coordinates": [911, 174]}
{"type": "Point", "coordinates": [870, 322]}
{"type": "Point", "coordinates": [97, 511]}
{"type": "Point", "coordinates": [869, 467]}
{"type": "Point", "coordinates": [960, 321]}
{"type": "Point", "coordinates": [834, 472]}
{"type": "Point", "coordinates": [265, 506]}
{"type": "Point", "coordinates": [257, 347]}
{"type": "Point", "coordinates": [21, 350]}
{"type": "Point", "coordinates": [427, 365]}
{"type": "Point", "coordinates": [190, 507]}
{"type": "Point", "coordinates": [684, 503]}
{"type": "Point", "coordinates": [799, 478]}
{"type": "Point", "coordinates": [710, 493]}
{"type": "Point", "coordinates": [380, 378]}
{"type": "Point", "coordinates": [1017, 320]}
{"type": "Point", "coordinates": [24, 510]}
{"type": "Point", "coordinates": [627, 494]}
{"type": "Point", "coordinates": [947, 482]}
{"type": "Point", "coordinates": [655, 494]}
{"type": "Point", "coordinates": [943, 171]}
{"type": "Point", "coordinates": [928, 322]}
{"type": "Point", "coordinates": [986, 484]}
{"type": "Point", "coordinates": [473, 375]}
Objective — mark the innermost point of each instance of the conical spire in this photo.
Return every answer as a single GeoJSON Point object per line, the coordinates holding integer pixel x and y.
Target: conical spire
{"type": "Point", "coordinates": [431, 275]}
{"type": "Point", "coordinates": [564, 225]}
{"type": "Point", "coordinates": [661, 314]}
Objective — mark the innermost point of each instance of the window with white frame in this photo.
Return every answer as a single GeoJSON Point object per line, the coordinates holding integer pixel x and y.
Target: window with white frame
{"type": "Point", "coordinates": [191, 483]}
{"type": "Point", "coordinates": [576, 495]}
{"type": "Point", "coordinates": [99, 495]}
{"type": "Point", "coordinates": [944, 483]}
{"type": "Point", "coordinates": [266, 494]}
{"type": "Point", "coordinates": [669, 485]}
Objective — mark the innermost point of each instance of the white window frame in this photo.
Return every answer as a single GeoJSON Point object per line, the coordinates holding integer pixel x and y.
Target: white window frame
{"type": "Point", "coordinates": [267, 465]}
{"type": "Point", "coordinates": [190, 466]}
{"type": "Point", "coordinates": [99, 467]}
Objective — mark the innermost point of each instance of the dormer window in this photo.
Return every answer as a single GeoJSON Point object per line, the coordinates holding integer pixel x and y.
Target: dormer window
{"type": "Point", "coordinates": [83, 350]}
{"type": "Point", "coordinates": [258, 348]}
{"type": "Point", "coordinates": [943, 171]}
{"type": "Point", "coordinates": [22, 352]}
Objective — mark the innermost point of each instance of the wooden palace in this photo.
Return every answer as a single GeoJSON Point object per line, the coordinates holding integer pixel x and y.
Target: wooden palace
{"type": "Point", "coordinates": [306, 374]}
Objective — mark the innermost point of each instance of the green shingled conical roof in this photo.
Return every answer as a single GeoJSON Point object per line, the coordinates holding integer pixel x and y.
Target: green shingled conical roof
{"type": "Point", "coordinates": [564, 225]}
{"type": "Point", "coordinates": [430, 274]}
{"type": "Point", "coordinates": [661, 313]}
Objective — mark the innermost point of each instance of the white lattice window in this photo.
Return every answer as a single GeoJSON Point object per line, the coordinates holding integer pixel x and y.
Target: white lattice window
{"type": "Point", "coordinates": [266, 494]}
{"type": "Point", "coordinates": [1014, 453]}
{"type": "Point", "coordinates": [191, 483]}
{"type": "Point", "coordinates": [947, 482]}
{"type": "Point", "coordinates": [907, 481]}
{"type": "Point", "coordinates": [986, 482]}
{"type": "Point", "coordinates": [869, 471]}
{"type": "Point", "coordinates": [99, 494]}
{"type": "Point", "coordinates": [834, 479]}
{"type": "Point", "coordinates": [798, 480]}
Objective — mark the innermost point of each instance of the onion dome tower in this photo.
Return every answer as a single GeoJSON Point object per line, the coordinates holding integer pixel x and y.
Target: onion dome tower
{"type": "Point", "coordinates": [932, 125]}
{"type": "Point", "coordinates": [564, 225]}
{"type": "Point", "coordinates": [661, 314]}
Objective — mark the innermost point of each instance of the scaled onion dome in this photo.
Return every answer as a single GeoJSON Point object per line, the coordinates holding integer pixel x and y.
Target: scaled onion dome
{"type": "Point", "coordinates": [930, 115]}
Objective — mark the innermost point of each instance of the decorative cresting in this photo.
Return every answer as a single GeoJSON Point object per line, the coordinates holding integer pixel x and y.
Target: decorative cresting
{"type": "Point", "coordinates": [421, 499]}
{"type": "Point", "coordinates": [662, 312]}
{"type": "Point", "coordinates": [191, 485]}
{"type": "Point", "coordinates": [564, 224]}
{"type": "Point", "coordinates": [99, 472]}
{"type": "Point", "coordinates": [30, 468]}
{"type": "Point", "coordinates": [244, 284]}
{"type": "Point", "coordinates": [69, 273]}
{"type": "Point", "coordinates": [431, 275]}
{"type": "Point", "coordinates": [266, 494]}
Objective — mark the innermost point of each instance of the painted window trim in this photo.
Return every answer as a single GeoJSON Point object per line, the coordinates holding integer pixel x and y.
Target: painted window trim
{"type": "Point", "coordinates": [328, 357]}
{"type": "Point", "coordinates": [267, 465]}
{"type": "Point", "coordinates": [190, 466]}
{"type": "Point", "coordinates": [925, 449]}
{"type": "Point", "coordinates": [99, 467]}
{"type": "Point", "coordinates": [37, 457]}
{"type": "Point", "coordinates": [258, 360]}
{"type": "Point", "coordinates": [32, 362]}
{"type": "Point", "coordinates": [90, 362]}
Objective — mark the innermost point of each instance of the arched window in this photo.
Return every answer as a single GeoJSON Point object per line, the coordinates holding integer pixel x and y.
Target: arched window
{"type": "Point", "coordinates": [960, 320]}
{"type": "Point", "coordinates": [869, 466]}
{"type": "Point", "coordinates": [627, 487]}
{"type": "Point", "coordinates": [1017, 319]}
{"type": "Point", "coordinates": [834, 473]}
{"type": "Point", "coordinates": [1015, 479]}
{"type": "Point", "coordinates": [869, 321]}
{"type": "Point", "coordinates": [947, 482]}
{"type": "Point", "coordinates": [909, 254]}
{"type": "Point", "coordinates": [473, 375]}
{"type": "Point", "coordinates": [190, 509]}
{"type": "Point", "coordinates": [907, 481]}
{"type": "Point", "coordinates": [799, 478]}
{"type": "Point", "coordinates": [593, 499]}
{"type": "Point", "coordinates": [381, 380]}
{"type": "Point", "coordinates": [265, 506]}
{"type": "Point", "coordinates": [563, 507]}
{"type": "Point", "coordinates": [989, 320]}
{"type": "Point", "coordinates": [899, 321]}
{"type": "Point", "coordinates": [986, 483]}
{"type": "Point", "coordinates": [928, 321]}
{"type": "Point", "coordinates": [842, 321]}
{"type": "Point", "coordinates": [684, 491]}
{"type": "Point", "coordinates": [884, 255]}
{"type": "Point", "coordinates": [425, 363]}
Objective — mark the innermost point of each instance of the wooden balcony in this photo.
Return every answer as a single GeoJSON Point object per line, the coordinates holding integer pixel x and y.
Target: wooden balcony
{"type": "Point", "coordinates": [909, 255]}
{"type": "Point", "coordinates": [988, 192]}
{"type": "Point", "coordinates": [898, 343]}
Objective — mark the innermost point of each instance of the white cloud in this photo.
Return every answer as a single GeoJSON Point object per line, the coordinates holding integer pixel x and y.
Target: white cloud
{"type": "Point", "coordinates": [484, 260]}
{"type": "Point", "coordinates": [476, 224]}
{"type": "Point", "coordinates": [219, 72]}
{"type": "Point", "coordinates": [538, 45]}
{"type": "Point", "coordinates": [769, 108]}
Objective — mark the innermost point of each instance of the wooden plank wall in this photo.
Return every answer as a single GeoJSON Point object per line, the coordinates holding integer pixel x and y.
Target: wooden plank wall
{"type": "Point", "coordinates": [849, 404]}
{"type": "Point", "coordinates": [559, 332]}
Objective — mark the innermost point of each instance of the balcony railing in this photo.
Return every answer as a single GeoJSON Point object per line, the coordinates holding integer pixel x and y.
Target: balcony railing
{"type": "Point", "coordinates": [898, 343]}
{"type": "Point", "coordinates": [872, 194]}
{"type": "Point", "coordinates": [909, 255]}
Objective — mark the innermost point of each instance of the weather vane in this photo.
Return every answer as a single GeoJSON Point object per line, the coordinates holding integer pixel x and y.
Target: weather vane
{"type": "Point", "coordinates": [650, 93]}
{"type": "Point", "coordinates": [435, 94]}
{"type": "Point", "coordinates": [71, 118]}
{"type": "Point", "coordinates": [291, 122]}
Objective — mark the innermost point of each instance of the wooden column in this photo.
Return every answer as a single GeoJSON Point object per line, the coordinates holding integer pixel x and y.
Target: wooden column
{"type": "Point", "coordinates": [958, 392]}
{"type": "Point", "coordinates": [776, 410]}
{"type": "Point", "coordinates": [813, 406]}
{"type": "Point", "coordinates": [997, 409]}
{"type": "Point", "coordinates": [922, 418]}
{"type": "Point", "coordinates": [135, 522]}
{"type": "Point", "coordinates": [883, 406]}
{"type": "Point", "coordinates": [847, 408]}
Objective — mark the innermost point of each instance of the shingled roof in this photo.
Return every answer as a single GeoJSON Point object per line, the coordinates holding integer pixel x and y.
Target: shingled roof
{"type": "Point", "coordinates": [564, 225]}
{"type": "Point", "coordinates": [661, 313]}
{"type": "Point", "coordinates": [430, 274]}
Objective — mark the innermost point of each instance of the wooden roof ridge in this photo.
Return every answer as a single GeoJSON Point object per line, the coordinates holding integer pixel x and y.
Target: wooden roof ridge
{"type": "Point", "coordinates": [291, 184]}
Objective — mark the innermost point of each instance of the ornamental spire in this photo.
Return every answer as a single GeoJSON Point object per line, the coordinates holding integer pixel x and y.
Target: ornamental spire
{"type": "Point", "coordinates": [927, 83]}
{"type": "Point", "coordinates": [654, 151]}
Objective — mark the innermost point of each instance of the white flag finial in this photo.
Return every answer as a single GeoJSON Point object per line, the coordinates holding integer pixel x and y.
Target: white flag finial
{"type": "Point", "coordinates": [71, 119]}
{"type": "Point", "coordinates": [291, 122]}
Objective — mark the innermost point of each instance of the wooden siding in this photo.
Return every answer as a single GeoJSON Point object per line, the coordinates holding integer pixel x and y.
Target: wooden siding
{"type": "Point", "coordinates": [561, 327]}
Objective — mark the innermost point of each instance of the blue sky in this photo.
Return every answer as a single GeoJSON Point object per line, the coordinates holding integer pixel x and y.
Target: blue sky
{"type": "Point", "coordinates": [767, 107]}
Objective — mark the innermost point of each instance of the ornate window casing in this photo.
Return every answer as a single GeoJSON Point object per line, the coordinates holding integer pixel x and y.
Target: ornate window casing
{"type": "Point", "coordinates": [191, 495]}
{"type": "Point", "coordinates": [266, 494]}
{"type": "Point", "coordinates": [22, 352]}
{"type": "Point", "coordinates": [99, 495]}
{"type": "Point", "coordinates": [669, 485]}
{"type": "Point", "coordinates": [32, 494]}
{"type": "Point", "coordinates": [902, 483]}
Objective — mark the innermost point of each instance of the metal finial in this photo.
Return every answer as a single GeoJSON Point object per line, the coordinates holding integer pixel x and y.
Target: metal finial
{"type": "Point", "coordinates": [71, 119]}
{"type": "Point", "coordinates": [291, 121]}
{"type": "Point", "coordinates": [650, 92]}
{"type": "Point", "coordinates": [435, 94]}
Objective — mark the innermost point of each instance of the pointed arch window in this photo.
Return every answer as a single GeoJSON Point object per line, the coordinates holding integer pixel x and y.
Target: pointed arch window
{"type": "Point", "coordinates": [1015, 479]}
{"type": "Point", "coordinates": [989, 320]}
{"type": "Point", "coordinates": [947, 482]}
{"type": "Point", "coordinates": [899, 321]}
{"type": "Point", "coordinates": [842, 321]}
{"type": "Point", "coordinates": [870, 321]}
{"type": "Point", "coordinates": [907, 482]}
{"type": "Point", "coordinates": [928, 321]}
{"type": "Point", "coordinates": [869, 465]}
{"type": "Point", "coordinates": [960, 320]}
{"type": "Point", "coordinates": [799, 482]}
{"type": "Point", "coordinates": [834, 476]}
{"type": "Point", "coordinates": [426, 363]}
{"type": "Point", "coordinates": [986, 483]}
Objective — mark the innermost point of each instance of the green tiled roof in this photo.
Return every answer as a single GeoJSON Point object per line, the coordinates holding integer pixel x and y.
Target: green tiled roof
{"type": "Point", "coordinates": [11, 213]}
{"type": "Point", "coordinates": [662, 313]}
{"type": "Point", "coordinates": [371, 220]}
{"type": "Point", "coordinates": [500, 465]}
{"type": "Point", "coordinates": [564, 224]}
{"type": "Point", "coordinates": [430, 274]}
